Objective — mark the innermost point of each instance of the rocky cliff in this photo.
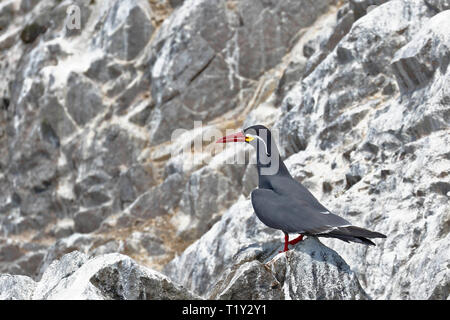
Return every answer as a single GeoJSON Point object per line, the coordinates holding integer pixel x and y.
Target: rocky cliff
{"type": "Point", "coordinates": [100, 110]}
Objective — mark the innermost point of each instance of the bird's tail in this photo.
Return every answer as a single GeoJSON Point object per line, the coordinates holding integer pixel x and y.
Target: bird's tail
{"type": "Point", "coordinates": [353, 234]}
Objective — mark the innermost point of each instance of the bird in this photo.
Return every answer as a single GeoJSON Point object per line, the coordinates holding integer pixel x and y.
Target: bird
{"type": "Point", "coordinates": [283, 203]}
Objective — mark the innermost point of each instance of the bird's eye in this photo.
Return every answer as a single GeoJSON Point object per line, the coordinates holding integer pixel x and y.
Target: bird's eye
{"type": "Point", "coordinates": [248, 138]}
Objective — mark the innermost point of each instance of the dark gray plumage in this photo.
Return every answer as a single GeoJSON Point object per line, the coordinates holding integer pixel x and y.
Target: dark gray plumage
{"type": "Point", "coordinates": [283, 203]}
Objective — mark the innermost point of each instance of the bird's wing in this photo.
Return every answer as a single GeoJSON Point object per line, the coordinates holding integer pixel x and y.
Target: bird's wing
{"type": "Point", "coordinates": [292, 188]}
{"type": "Point", "coordinates": [294, 214]}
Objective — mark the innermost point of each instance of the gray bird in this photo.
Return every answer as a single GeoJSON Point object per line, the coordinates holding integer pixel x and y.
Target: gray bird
{"type": "Point", "coordinates": [283, 203]}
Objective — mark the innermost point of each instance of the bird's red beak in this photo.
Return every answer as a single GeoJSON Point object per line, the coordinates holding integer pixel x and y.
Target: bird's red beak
{"type": "Point", "coordinates": [236, 137]}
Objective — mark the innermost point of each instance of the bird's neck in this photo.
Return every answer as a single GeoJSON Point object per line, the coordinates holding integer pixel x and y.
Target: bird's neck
{"type": "Point", "coordinates": [266, 171]}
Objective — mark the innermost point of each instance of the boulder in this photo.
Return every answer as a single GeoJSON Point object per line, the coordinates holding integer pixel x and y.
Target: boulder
{"type": "Point", "coordinates": [310, 271]}
{"type": "Point", "coordinates": [14, 287]}
{"type": "Point", "coordinates": [416, 63]}
{"type": "Point", "coordinates": [75, 276]}
{"type": "Point", "coordinates": [232, 43]}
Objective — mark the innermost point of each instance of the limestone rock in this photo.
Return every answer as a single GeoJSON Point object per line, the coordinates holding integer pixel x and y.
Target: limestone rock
{"type": "Point", "coordinates": [112, 276]}
{"type": "Point", "coordinates": [223, 46]}
{"type": "Point", "coordinates": [75, 276]}
{"type": "Point", "coordinates": [357, 91]}
{"type": "Point", "coordinates": [16, 287]}
{"type": "Point", "coordinates": [416, 63]}
{"type": "Point", "coordinates": [310, 271]}
{"type": "Point", "coordinates": [237, 236]}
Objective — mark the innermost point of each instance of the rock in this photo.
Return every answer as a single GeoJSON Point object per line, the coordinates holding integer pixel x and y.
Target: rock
{"type": "Point", "coordinates": [206, 195]}
{"type": "Point", "coordinates": [126, 29]}
{"type": "Point", "coordinates": [250, 179]}
{"type": "Point", "coordinates": [310, 271]}
{"type": "Point", "coordinates": [352, 61]}
{"type": "Point", "coordinates": [16, 287]}
{"type": "Point", "coordinates": [89, 220]}
{"type": "Point", "coordinates": [27, 5]}
{"type": "Point", "coordinates": [313, 271]}
{"type": "Point", "coordinates": [76, 276]}
{"type": "Point", "coordinates": [188, 53]}
{"type": "Point", "coordinates": [75, 242]}
{"type": "Point", "coordinates": [21, 258]}
{"type": "Point", "coordinates": [63, 228]}
{"type": "Point", "coordinates": [360, 7]}
{"type": "Point", "coordinates": [111, 276]}
{"type": "Point", "coordinates": [439, 5]}
{"type": "Point", "coordinates": [365, 129]}
{"type": "Point", "coordinates": [6, 15]}
{"type": "Point", "coordinates": [31, 32]}
{"type": "Point", "coordinates": [381, 202]}
{"type": "Point", "coordinates": [328, 41]}
{"type": "Point", "coordinates": [10, 252]}
{"type": "Point", "coordinates": [159, 200]}
{"type": "Point", "coordinates": [137, 180]}
{"type": "Point", "coordinates": [30, 263]}
{"type": "Point", "coordinates": [358, 92]}
{"type": "Point", "coordinates": [354, 175]}
{"type": "Point", "coordinates": [415, 64]}
{"type": "Point", "coordinates": [250, 281]}
{"type": "Point", "coordinates": [238, 235]}
{"type": "Point", "coordinates": [83, 101]}
{"type": "Point", "coordinates": [294, 71]}
{"type": "Point", "coordinates": [55, 117]}
{"type": "Point", "coordinates": [175, 3]}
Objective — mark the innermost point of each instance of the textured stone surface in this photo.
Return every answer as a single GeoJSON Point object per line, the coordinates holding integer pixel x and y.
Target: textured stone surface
{"type": "Point", "coordinates": [238, 236]}
{"type": "Point", "coordinates": [310, 271]}
{"type": "Point", "coordinates": [416, 63]}
{"type": "Point", "coordinates": [16, 287]}
{"type": "Point", "coordinates": [75, 276]}
{"type": "Point", "coordinates": [112, 276]}
{"type": "Point", "coordinates": [220, 40]}
{"type": "Point", "coordinates": [359, 144]}
{"type": "Point", "coordinates": [357, 91]}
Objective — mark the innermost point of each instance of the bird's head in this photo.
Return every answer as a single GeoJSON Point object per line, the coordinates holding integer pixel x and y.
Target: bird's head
{"type": "Point", "coordinates": [267, 156]}
{"type": "Point", "coordinates": [257, 136]}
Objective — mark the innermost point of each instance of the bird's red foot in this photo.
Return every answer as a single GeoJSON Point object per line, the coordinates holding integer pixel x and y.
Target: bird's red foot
{"type": "Point", "coordinates": [296, 240]}
{"type": "Point", "coordinates": [292, 242]}
{"type": "Point", "coordinates": [286, 242]}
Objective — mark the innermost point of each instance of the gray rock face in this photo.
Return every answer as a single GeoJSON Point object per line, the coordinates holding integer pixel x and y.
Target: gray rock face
{"type": "Point", "coordinates": [107, 277]}
{"type": "Point", "coordinates": [309, 271]}
{"type": "Point", "coordinates": [232, 43]}
{"type": "Point", "coordinates": [367, 138]}
{"type": "Point", "coordinates": [415, 64]}
{"type": "Point", "coordinates": [126, 29]}
{"type": "Point", "coordinates": [16, 287]}
{"type": "Point", "coordinates": [237, 235]}
{"type": "Point", "coordinates": [439, 5]}
{"type": "Point", "coordinates": [357, 91]}
{"type": "Point", "coordinates": [83, 100]}
{"type": "Point", "coordinates": [363, 56]}
{"type": "Point", "coordinates": [79, 107]}
{"type": "Point", "coordinates": [359, 7]}
{"type": "Point", "coordinates": [112, 276]}
{"type": "Point", "coordinates": [207, 194]}
{"type": "Point", "coordinates": [313, 271]}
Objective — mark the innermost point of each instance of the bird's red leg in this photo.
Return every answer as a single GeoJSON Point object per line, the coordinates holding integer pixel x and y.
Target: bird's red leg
{"type": "Point", "coordinates": [298, 239]}
{"type": "Point", "coordinates": [286, 242]}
